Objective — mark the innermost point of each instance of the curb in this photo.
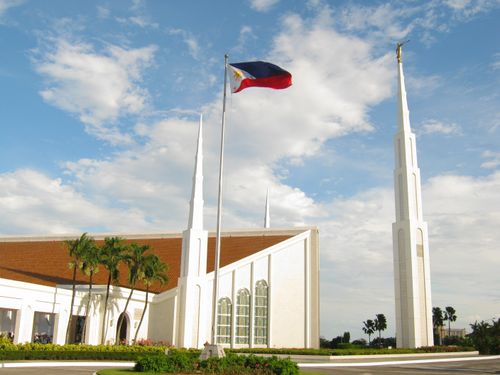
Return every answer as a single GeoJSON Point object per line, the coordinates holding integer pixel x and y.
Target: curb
{"type": "Point", "coordinates": [65, 364]}
{"type": "Point", "coordinates": [388, 363]}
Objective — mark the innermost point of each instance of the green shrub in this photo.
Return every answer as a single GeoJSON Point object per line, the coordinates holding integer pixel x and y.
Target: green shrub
{"type": "Point", "coordinates": [175, 362]}
{"type": "Point", "coordinates": [188, 362]}
{"type": "Point", "coordinates": [152, 363]}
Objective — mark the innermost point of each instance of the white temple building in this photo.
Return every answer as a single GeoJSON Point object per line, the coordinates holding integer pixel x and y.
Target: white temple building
{"type": "Point", "coordinates": [268, 287]}
{"type": "Point", "coordinates": [412, 280]}
{"type": "Point", "coordinates": [268, 293]}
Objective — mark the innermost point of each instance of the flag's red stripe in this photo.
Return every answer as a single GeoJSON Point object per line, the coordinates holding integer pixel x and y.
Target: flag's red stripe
{"type": "Point", "coordinates": [275, 82]}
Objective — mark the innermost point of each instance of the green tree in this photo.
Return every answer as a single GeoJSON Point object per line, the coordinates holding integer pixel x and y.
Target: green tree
{"type": "Point", "coordinates": [380, 325]}
{"type": "Point", "coordinates": [437, 322]}
{"type": "Point", "coordinates": [112, 254]}
{"type": "Point", "coordinates": [346, 338]}
{"type": "Point", "coordinates": [449, 315]}
{"type": "Point", "coordinates": [483, 338]}
{"type": "Point", "coordinates": [154, 270]}
{"type": "Point", "coordinates": [90, 266]}
{"type": "Point", "coordinates": [369, 329]}
{"type": "Point", "coordinates": [77, 248]}
{"type": "Point", "coordinates": [134, 258]}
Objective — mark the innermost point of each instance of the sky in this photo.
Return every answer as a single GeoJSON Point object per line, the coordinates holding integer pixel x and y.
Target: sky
{"type": "Point", "coordinates": [100, 107]}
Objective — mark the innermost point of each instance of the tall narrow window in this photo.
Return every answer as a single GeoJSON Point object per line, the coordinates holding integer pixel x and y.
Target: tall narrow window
{"type": "Point", "coordinates": [243, 317]}
{"type": "Point", "coordinates": [43, 327]}
{"type": "Point", "coordinates": [8, 323]}
{"type": "Point", "coordinates": [224, 321]}
{"type": "Point", "coordinates": [261, 313]}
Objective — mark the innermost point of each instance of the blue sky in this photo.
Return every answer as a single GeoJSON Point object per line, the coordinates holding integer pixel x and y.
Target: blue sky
{"type": "Point", "coordinates": [100, 106]}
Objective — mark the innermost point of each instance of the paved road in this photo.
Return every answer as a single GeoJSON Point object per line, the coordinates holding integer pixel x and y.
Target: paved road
{"type": "Point", "coordinates": [50, 371]}
{"type": "Point", "coordinates": [489, 366]}
{"type": "Point", "coordinates": [61, 369]}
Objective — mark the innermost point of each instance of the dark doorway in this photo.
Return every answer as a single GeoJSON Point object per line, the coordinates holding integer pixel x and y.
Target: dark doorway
{"type": "Point", "coordinates": [76, 329]}
{"type": "Point", "coordinates": [122, 334]}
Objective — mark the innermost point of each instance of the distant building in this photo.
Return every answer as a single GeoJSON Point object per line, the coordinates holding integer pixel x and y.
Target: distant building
{"type": "Point", "coordinates": [268, 290]}
{"type": "Point", "coordinates": [453, 332]}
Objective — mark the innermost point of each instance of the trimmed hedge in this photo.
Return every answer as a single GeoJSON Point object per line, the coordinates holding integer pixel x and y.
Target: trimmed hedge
{"type": "Point", "coordinates": [34, 351]}
{"type": "Point", "coordinates": [178, 362]}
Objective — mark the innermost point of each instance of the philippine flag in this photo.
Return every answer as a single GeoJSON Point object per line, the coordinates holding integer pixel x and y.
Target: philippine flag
{"type": "Point", "coordinates": [258, 74]}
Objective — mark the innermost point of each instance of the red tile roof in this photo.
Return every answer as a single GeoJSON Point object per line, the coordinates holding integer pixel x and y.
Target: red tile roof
{"type": "Point", "coordinates": [45, 261]}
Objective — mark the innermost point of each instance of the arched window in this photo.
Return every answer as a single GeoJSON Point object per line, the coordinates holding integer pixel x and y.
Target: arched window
{"type": "Point", "coordinates": [224, 321]}
{"type": "Point", "coordinates": [261, 312]}
{"type": "Point", "coordinates": [243, 317]}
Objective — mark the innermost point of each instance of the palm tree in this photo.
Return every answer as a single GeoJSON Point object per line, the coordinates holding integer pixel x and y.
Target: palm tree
{"type": "Point", "coordinates": [77, 248]}
{"type": "Point", "coordinates": [449, 315]}
{"type": "Point", "coordinates": [369, 329]}
{"type": "Point", "coordinates": [112, 252]}
{"type": "Point", "coordinates": [380, 325]}
{"type": "Point", "coordinates": [135, 263]}
{"type": "Point", "coordinates": [438, 321]}
{"type": "Point", "coordinates": [90, 266]}
{"type": "Point", "coordinates": [154, 270]}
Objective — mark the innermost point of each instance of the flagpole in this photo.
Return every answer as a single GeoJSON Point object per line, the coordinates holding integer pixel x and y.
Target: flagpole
{"type": "Point", "coordinates": [219, 213]}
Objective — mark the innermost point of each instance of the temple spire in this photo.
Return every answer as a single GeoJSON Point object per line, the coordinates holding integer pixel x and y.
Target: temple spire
{"type": "Point", "coordinates": [267, 218]}
{"type": "Point", "coordinates": [196, 204]}
{"type": "Point", "coordinates": [404, 113]}
{"type": "Point", "coordinates": [410, 234]}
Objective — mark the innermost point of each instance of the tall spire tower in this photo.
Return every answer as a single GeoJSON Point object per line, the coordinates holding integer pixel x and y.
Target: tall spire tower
{"type": "Point", "coordinates": [267, 217]}
{"type": "Point", "coordinates": [191, 284]}
{"type": "Point", "coordinates": [412, 281]}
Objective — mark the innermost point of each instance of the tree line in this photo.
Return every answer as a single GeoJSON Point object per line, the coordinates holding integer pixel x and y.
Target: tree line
{"type": "Point", "coordinates": [87, 257]}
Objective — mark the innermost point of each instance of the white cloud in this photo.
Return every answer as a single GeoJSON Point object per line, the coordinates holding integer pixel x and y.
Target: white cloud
{"type": "Point", "coordinates": [36, 204]}
{"type": "Point", "coordinates": [394, 21]}
{"type": "Point", "coordinates": [465, 9]}
{"type": "Point", "coordinates": [496, 63]}
{"type": "Point", "coordinates": [140, 21]}
{"type": "Point", "coordinates": [7, 4]}
{"type": "Point", "coordinates": [262, 5]}
{"type": "Point", "coordinates": [103, 12]}
{"type": "Point", "coordinates": [422, 85]}
{"type": "Point", "coordinates": [190, 41]}
{"type": "Point", "coordinates": [494, 161]}
{"type": "Point", "coordinates": [437, 127]}
{"type": "Point", "coordinates": [246, 34]}
{"type": "Point", "coordinates": [385, 19]}
{"type": "Point", "coordinates": [329, 71]}
{"type": "Point", "coordinates": [98, 88]}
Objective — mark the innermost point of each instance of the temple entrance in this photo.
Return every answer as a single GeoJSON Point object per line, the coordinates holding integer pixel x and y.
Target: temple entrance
{"type": "Point", "coordinates": [122, 333]}
{"type": "Point", "coordinates": [76, 329]}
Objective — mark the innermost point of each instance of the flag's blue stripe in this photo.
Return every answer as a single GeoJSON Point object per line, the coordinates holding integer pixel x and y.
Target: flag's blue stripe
{"type": "Point", "coordinates": [261, 69]}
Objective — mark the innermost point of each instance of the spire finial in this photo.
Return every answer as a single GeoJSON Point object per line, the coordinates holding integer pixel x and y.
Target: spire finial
{"type": "Point", "coordinates": [267, 218]}
{"type": "Point", "coordinates": [399, 50]}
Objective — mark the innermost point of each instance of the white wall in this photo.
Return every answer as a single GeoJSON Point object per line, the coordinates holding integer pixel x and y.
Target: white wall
{"type": "Point", "coordinates": [291, 270]}
{"type": "Point", "coordinates": [28, 298]}
{"type": "Point", "coordinates": [162, 317]}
